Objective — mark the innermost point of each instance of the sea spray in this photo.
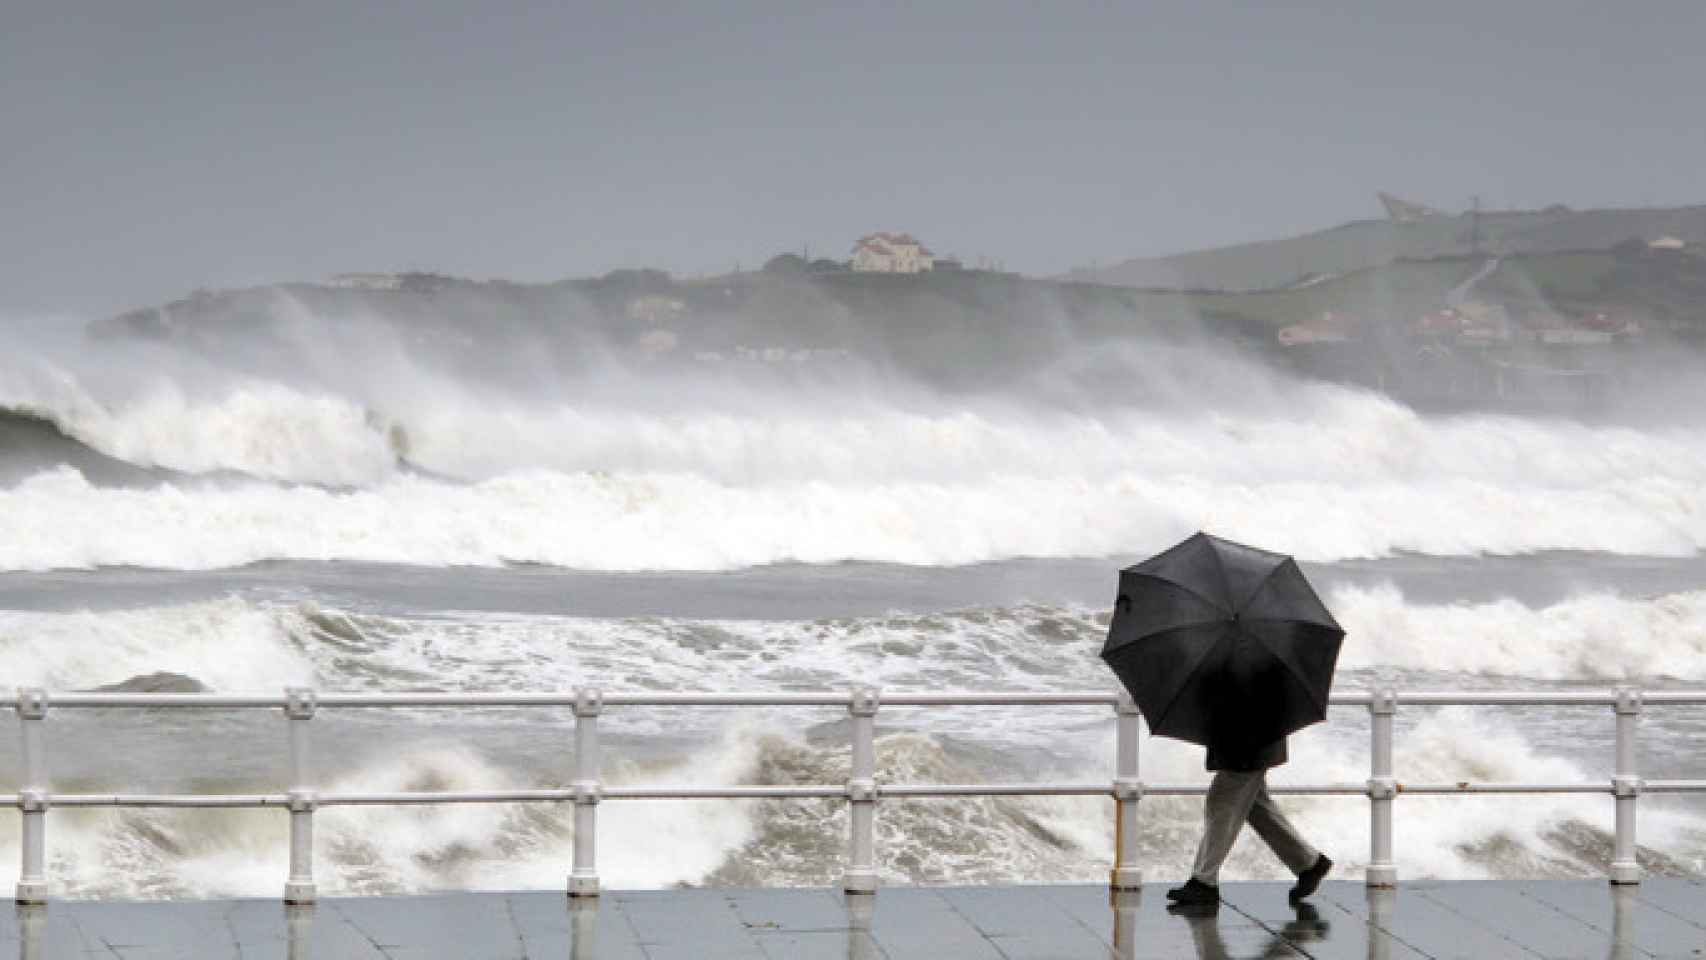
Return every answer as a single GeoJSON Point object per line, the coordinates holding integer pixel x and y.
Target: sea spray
{"type": "Point", "coordinates": [150, 853]}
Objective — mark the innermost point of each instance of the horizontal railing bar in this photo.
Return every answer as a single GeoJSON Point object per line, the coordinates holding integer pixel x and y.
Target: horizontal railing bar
{"type": "Point", "coordinates": [1605, 697]}
{"type": "Point", "coordinates": [423, 699]}
{"type": "Point", "coordinates": [819, 698]}
{"type": "Point", "coordinates": [1000, 698]}
{"type": "Point", "coordinates": [1296, 789]}
{"type": "Point", "coordinates": [812, 791]}
{"type": "Point", "coordinates": [995, 790]}
{"type": "Point", "coordinates": [446, 796]}
{"type": "Point", "coordinates": [170, 800]}
{"type": "Point", "coordinates": [222, 701]}
{"type": "Point", "coordinates": [1673, 786]}
{"type": "Point", "coordinates": [804, 791]}
{"type": "Point", "coordinates": [1523, 698]}
{"type": "Point", "coordinates": [733, 792]}
{"type": "Point", "coordinates": [1445, 788]}
{"type": "Point", "coordinates": [1674, 696]}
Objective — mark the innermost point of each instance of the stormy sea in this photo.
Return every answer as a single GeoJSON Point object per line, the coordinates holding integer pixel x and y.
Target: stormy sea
{"type": "Point", "coordinates": [363, 503]}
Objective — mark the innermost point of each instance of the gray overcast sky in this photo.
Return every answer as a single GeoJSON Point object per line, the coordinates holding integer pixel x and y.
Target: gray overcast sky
{"type": "Point", "coordinates": [150, 148]}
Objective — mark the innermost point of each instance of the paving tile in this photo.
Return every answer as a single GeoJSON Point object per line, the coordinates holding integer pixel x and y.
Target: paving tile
{"type": "Point", "coordinates": [1525, 921]}
{"type": "Point", "coordinates": [790, 910]}
{"type": "Point", "coordinates": [1663, 917]}
{"type": "Point", "coordinates": [1318, 927]}
{"type": "Point", "coordinates": [1006, 911]}
{"type": "Point", "coordinates": [1137, 925]}
{"type": "Point", "coordinates": [1024, 925]}
{"type": "Point", "coordinates": [473, 927]}
{"type": "Point", "coordinates": [48, 927]}
{"type": "Point", "coordinates": [824, 945]}
{"type": "Point", "coordinates": [1679, 898]}
{"type": "Point", "coordinates": [192, 928]}
{"type": "Point", "coordinates": [687, 923]}
{"type": "Point", "coordinates": [1619, 911]}
{"type": "Point", "coordinates": [1421, 924]}
{"type": "Point", "coordinates": [909, 922]}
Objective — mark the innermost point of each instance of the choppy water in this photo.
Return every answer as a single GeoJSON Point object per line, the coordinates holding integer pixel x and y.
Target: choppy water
{"type": "Point", "coordinates": [248, 525]}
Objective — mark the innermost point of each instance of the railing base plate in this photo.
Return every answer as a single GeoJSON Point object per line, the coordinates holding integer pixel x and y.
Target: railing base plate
{"type": "Point", "coordinates": [1125, 878]}
{"type": "Point", "coordinates": [299, 893]}
{"type": "Point", "coordinates": [862, 882]}
{"type": "Point", "coordinates": [32, 891]}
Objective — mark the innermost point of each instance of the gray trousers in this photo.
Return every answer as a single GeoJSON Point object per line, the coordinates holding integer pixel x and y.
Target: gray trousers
{"type": "Point", "coordinates": [1234, 797]}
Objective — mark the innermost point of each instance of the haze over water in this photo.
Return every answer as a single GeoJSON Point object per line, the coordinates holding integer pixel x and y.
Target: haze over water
{"type": "Point", "coordinates": [328, 502]}
{"type": "Point", "coordinates": [519, 488]}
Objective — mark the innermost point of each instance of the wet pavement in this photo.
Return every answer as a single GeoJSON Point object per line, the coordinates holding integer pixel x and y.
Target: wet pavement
{"type": "Point", "coordinates": [1663, 917]}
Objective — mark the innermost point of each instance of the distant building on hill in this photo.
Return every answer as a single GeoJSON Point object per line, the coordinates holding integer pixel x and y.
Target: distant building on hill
{"type": "Point", "coordinates": [891, 253]}
{"type": "Point", "coordinates": [1332, 327]}
{"type": "Point", "coordinates": [366, 281]}
{"type": "Point", "coordinates": [1403, 211]}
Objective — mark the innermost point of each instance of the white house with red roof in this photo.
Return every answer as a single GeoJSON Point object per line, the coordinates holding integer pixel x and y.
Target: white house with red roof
{"type": "Point", "coordinates": [891, 253]}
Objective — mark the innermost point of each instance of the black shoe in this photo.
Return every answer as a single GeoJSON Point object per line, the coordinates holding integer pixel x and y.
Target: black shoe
{"type": "Point", "coordinates": [1309, 879]}
{"type": "Point", "coordinates": [1194, 891]}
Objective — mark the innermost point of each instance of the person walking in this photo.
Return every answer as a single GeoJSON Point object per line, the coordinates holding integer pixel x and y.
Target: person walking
{"type": "Point", "coordinates": [1239, 794]}
{"type": "Point", "coordinates": [1228, 646]}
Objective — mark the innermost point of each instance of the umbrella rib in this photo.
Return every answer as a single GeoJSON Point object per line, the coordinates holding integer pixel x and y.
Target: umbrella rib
{"type": "Point", "coordinates": [1313, 623]}
{"type": "Point", "coordinates": [1302, 681]}
{"type": "Point", "coordinates": [1226, 581]}
{"type": "Point", "coordinates": [1174, 583]}
{"type": "Point", "coordinates": [1306, 585]}
{"type": "Point", "coordinates": [1259, 585]}
{"type": "Point", "coordinates": [1186, 674]}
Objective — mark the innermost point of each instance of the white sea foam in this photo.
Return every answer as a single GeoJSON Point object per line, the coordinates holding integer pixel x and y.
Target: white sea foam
{"type": "Point", "coordinates": [1598, 636]}
{"type": "Point", "coordinates": [241, 646]}
{"type": "Point", "coordinates": [686, 521]}
{"type": "Point", "coordinates": [371, 850]}
{"type": "Point", "coordinates": [236, 645]}
{"type": "Point", "coordinates": [262, 428]}
{"type": "Point", "coordinates": [225, 644]}
{"type": "Point", "coordinates": [727, 476]}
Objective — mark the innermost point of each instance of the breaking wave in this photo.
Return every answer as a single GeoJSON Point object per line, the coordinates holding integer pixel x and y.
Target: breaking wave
{"type": "Point", "coordinates": [651, 844]}
{"type": "Point", "coordinates": [192, 462]}
{"type": "Point", "coordinates": [239, 645]}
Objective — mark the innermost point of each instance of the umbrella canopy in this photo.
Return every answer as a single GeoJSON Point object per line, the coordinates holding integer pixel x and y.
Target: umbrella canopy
{"type": "Point", "coordinates": [1223, 644]}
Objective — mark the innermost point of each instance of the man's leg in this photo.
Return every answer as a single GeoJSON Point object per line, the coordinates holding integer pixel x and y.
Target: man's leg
{"type": "Point", "coordinates": [1228, 804]}
{"type": "Point", "coordinates": [1272, 826]}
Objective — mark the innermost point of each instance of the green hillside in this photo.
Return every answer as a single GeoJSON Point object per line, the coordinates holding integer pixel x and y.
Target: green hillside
{"type": "Point", "coordinates": [1372, 243]}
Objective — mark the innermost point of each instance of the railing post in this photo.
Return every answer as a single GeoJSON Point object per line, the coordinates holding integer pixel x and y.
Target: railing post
{"type": "Point", "coordinates": [583, 928]}
{"type": "Point", "coordinates": [34, 796]}
{"type": "Point", "coordinates": [860, 945]}
{"type": "Point", "coordinates": [1128, 790]}
{"type": "Point", "coordinates": [299, 931]}
{"type": "Point", "coordinates": [1623, 906]}
{"type": "Point", "coordinates": [299, 706]}
{"type": "Point", "coordinates": [1626, 787]}
{"type": "Point", "coordinates": [1126, 904]}
{"type": "Point", "coordinates": [583, 878]}
{"type": "Point", "coordinates": [1380, 901]}
{"type": "Point", "coordinates": [1382, 788]}
{"type": "Point", "coordinates": [861, 875]}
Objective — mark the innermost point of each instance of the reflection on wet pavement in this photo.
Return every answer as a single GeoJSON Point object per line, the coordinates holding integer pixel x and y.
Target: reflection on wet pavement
{"type": "Point", "coordinates": [1661, 917]}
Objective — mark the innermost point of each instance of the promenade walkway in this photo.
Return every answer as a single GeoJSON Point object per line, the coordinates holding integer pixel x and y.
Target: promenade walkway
{"type": "Point", "coordinates": [1662, 917]}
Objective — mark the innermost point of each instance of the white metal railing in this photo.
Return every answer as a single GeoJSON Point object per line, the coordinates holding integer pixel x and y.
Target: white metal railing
{"type": "Point", "coordinates": [862, 790]}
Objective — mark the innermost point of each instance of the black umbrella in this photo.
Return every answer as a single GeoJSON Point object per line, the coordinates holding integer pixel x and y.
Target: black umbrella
{"type": "Point", "coordinates": [1223, 644]}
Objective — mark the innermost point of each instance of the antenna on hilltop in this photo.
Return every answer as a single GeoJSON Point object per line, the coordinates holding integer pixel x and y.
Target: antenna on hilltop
{"type": "Point", "coordinates": [1475, 224]}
